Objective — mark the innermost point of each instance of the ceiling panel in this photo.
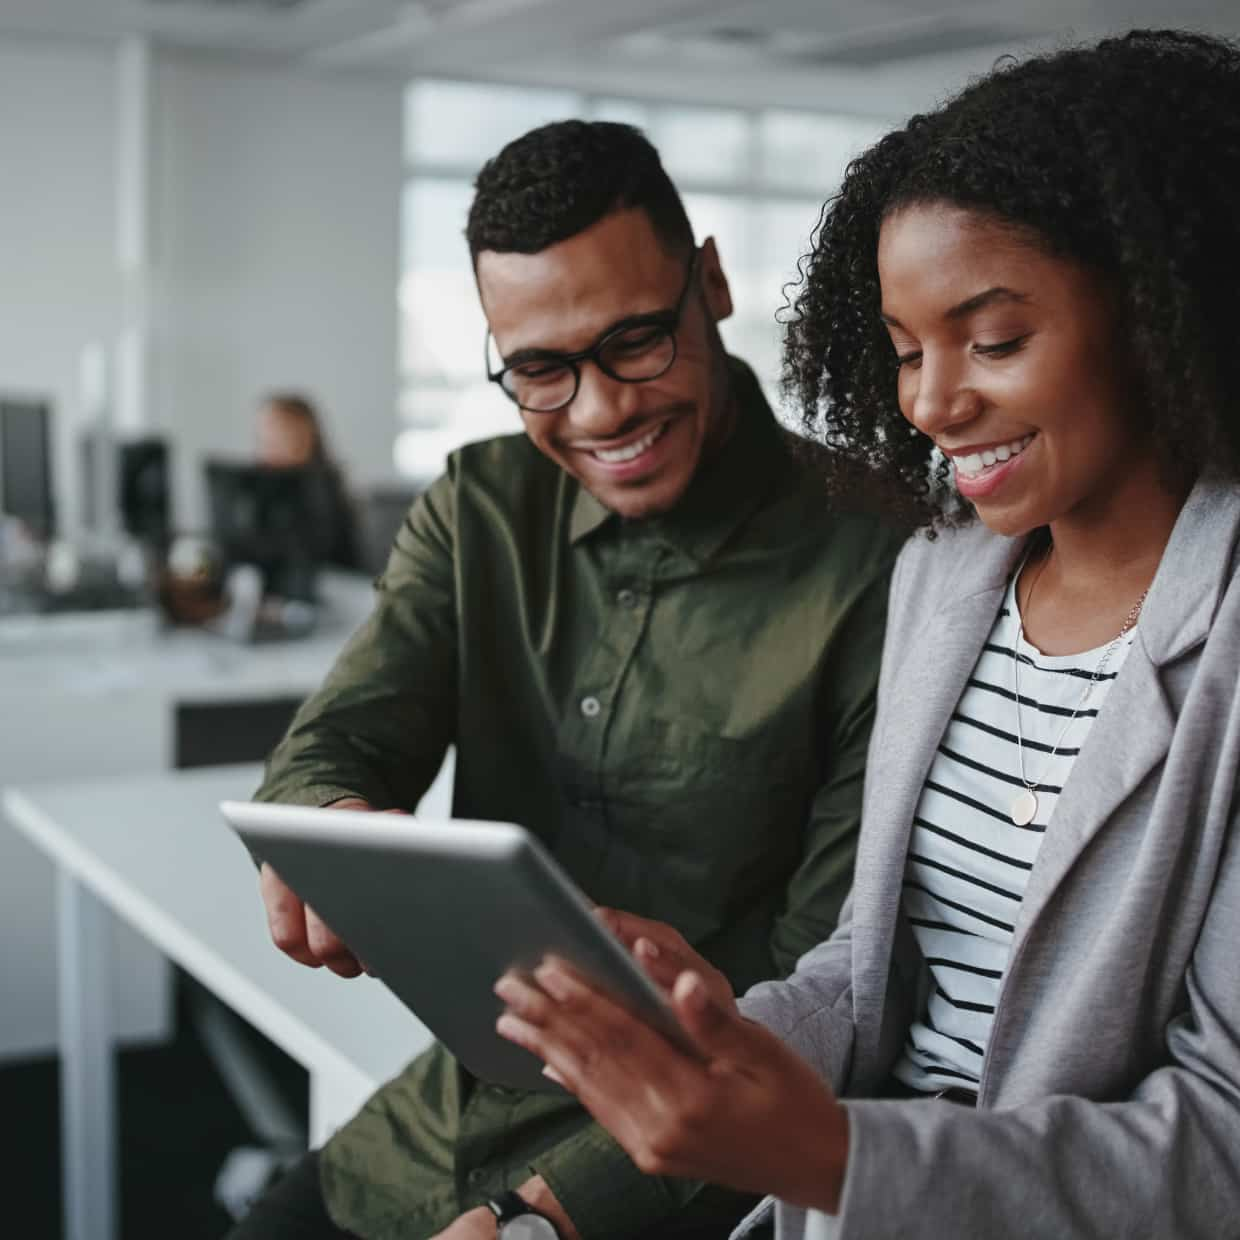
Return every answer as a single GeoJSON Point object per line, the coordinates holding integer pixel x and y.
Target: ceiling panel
{"type": "Point", "coordinates": [870, 54]}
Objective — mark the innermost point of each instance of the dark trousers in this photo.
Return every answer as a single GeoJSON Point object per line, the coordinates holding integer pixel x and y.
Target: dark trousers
{"type": "Point", "coordinates": [293, 1209]}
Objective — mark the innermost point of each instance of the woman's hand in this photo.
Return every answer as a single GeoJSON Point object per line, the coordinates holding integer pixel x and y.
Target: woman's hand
{"type": "Point", "coordinates": [750, 1114]}
{"type": "Point", "coordinates": [664, 955]}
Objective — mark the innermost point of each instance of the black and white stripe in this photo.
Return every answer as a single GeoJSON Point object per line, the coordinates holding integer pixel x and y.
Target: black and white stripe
{"type": "Point", "coordinates": [968, 863]}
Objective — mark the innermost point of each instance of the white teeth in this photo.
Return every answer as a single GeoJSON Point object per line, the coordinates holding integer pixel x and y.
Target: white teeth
{"type": "Point", "coordinates": [973, 464]}
{"type": "Point", "coordinates": [630, 452]}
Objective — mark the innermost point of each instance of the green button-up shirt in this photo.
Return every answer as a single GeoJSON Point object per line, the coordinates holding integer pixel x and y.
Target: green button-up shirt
{"type": "Point", "coordinates": [678, 707]}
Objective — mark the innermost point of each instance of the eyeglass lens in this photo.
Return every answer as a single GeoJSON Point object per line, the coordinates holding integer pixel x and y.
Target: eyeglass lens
{"type": "Point", "coordinates": [633, 354]}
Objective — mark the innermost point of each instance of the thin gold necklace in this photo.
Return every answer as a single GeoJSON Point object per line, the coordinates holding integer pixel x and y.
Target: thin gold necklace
{"type": "Point", "coordinates": [1024, 807]}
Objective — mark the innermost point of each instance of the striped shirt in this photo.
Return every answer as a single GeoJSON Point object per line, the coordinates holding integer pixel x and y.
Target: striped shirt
{"type": "Point", "coordinates": [968, 862]}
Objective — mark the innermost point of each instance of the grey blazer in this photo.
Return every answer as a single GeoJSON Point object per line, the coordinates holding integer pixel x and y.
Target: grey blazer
{"type": "Point", "coordinates": [1110, 1097]}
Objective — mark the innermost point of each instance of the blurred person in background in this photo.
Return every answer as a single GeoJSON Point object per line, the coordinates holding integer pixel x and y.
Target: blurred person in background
{"type": "Point", "coordinates": [289, 435]}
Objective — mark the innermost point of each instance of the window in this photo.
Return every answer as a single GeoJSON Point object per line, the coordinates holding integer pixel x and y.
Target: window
{"type": "Point", "coordinates": [754, 180]}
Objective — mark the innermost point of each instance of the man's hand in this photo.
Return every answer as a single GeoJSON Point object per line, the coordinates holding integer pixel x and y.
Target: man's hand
{"type": "Point", "coordinates": [750, 1114]}
{"type": "Point", "coordinates": [476, 1224]}
{"type": "Point", "coordinates": [296, 929]}
{"type": "Point", "coordinates": [480, 1224]}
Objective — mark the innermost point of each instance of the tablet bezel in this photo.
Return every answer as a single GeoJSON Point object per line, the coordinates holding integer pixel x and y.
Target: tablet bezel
{"type": "Point", "coordinates": [532, 904]}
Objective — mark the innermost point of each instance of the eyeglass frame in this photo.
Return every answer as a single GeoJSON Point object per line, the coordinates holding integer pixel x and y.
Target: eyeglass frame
{"type": "Point", "coordinates": [669, 319]}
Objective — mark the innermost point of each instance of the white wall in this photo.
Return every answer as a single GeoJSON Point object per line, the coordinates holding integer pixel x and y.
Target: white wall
{"type": "Point", "coordinates": [276, 253]}
{"type": "Point", "coordinates": [58, 283]}
{"type": "Point", "coordinates": [274, 249]}
{"type": "Point", "coordinates": [273, 260]}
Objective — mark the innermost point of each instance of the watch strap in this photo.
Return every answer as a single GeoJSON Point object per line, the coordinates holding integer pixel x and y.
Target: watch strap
{"type": "Point", "coordinates": [510, 1204]}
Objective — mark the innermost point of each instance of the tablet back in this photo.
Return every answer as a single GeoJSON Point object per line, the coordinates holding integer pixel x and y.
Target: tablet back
{"type": "Point", "coordinates": [439, 910]}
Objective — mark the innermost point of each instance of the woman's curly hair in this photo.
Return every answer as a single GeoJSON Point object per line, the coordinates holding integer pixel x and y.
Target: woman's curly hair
{"type": "Point", "coordinates": [1123, 156]}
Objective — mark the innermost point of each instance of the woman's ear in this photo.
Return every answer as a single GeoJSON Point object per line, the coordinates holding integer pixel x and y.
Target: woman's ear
{"type": "Point", "coordinates": [715, 287]}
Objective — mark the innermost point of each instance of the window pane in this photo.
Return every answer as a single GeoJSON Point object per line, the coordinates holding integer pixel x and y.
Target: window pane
{"type": "Point", "coordinates": [783, 230]}
{"type": "Point", "coordinates": [442, 327]}
{"type": "Point", "coordinates": [438, 418]}
{"type": "Point", "coordinates": [464, 123]}
{"type": "Point", "coordinates": [703, 144]}
{"type": "Point", "coordinates": [807, 150]}
{"type": "Point", "coordinates": [626, 111]}
{"type": "Point", "coordinates": [726, 219]}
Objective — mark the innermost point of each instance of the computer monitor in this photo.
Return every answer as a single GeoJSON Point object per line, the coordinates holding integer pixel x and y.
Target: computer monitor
{"type": "Point", "coordinates": [143, 486]}
{"type": "Point", "coordinates": [266, 517]}
{"type": "Point", "coordinates": [26, 464]}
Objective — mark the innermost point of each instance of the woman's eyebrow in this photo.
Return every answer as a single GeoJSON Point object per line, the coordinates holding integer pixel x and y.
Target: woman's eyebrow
{"type": "Point", "coordinates": [998, 294]}
{"type": "Point", "coordinates": [992, 295]}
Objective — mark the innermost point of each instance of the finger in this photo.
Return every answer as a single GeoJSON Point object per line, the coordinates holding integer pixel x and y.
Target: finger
{"type": "Point", "coordinates": [629, 927]}
{"type": "Point", "coordinates": [328, 948]}
{"type": "Point", "coordinates": [562, 982]}
{"type": "Point", "coordinates": [606, 1041]}
{"type": "Point", "coordinates": [722, 1034]}
{"type": "Point", "coordinates": [286, 916]}
{"type": "Point", "coordinates": [562, 1026]}
{"type": "Point", "coordinates": [523, 997]}
{"type": "Point", "coordinates": [660, 949]}
{"type": "Point", "coordinates": [629, 1084]}
{"type": "Point", "coordinates": [662, 967]}
{"type": "Point", "coordinates": [558, 1061]}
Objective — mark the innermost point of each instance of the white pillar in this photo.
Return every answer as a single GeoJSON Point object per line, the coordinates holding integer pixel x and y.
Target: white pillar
{"type": "Point", "coordinates": [134, 235]}
{"type": "Point", "coordinates": [87, 1068]}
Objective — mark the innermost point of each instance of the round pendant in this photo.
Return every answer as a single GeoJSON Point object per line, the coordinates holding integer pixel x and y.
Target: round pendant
{"type": "Point", "coordinates": [1024, 808]}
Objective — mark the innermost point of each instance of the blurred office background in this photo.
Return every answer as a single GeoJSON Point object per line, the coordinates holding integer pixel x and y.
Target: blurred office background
{"type": "Point", "coordinates": [203, 201]}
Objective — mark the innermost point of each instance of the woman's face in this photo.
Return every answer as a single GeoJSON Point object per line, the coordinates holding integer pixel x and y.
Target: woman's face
{"type": "Point", "coordinates": [284, 439]}
{"type": "Point", "coordinates": [1010, 361]}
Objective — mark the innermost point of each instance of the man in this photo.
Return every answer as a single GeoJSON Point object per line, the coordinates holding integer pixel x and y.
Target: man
{"type": "Point", "coordinates": [649, 639]}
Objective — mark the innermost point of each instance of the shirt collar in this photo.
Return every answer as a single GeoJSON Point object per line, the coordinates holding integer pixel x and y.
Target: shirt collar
{"type": "Point", "coordinates": [724, 491]}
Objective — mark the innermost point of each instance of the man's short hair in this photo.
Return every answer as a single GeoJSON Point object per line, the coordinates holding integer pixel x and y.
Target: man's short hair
{"type": "Point", "coordinates": [558, 180]}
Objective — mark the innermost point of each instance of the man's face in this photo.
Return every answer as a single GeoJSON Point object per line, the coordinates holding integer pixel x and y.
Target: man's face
{"type": "Point", "coordinates": [634, 446]}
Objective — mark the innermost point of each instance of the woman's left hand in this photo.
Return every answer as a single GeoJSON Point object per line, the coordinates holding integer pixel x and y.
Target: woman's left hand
{"type": "Point", "coordinates": [750, 1114]}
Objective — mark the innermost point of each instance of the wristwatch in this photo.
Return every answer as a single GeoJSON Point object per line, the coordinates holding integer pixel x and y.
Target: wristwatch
{"type": "Point", "coordinates": [516, 1219]}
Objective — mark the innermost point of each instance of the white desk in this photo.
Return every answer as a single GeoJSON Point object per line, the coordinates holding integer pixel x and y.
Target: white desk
{"type": "Point", "coordinates": [85, 696]}
{"type": "Point", "coordinates": [154, 851]}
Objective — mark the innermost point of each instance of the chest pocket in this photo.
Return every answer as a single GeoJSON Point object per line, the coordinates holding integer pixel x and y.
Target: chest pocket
{"type": "Point", "coordinates": [694, 792]}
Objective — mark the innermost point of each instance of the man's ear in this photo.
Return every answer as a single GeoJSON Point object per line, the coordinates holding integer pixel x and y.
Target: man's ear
{"type": "Point", "coordinates": [714, 283]}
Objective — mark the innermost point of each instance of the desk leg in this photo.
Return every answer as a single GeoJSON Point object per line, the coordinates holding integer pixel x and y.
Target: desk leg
{"type": "Point", "coordinates": [87, 1066]}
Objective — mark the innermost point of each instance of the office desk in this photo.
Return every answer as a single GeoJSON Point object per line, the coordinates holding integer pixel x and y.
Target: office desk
{"type": "Point", "coordinates": [153, 850]}
{"type": "Point", "coordinates": [93, 695]}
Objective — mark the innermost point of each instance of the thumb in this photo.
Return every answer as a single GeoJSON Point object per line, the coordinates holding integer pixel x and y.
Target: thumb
{"type": "Point", "coordinates": [715, 1030]}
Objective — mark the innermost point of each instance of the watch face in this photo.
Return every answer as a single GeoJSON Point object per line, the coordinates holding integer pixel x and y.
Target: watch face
{"type": "Point", "coordinates": [529, 1227]}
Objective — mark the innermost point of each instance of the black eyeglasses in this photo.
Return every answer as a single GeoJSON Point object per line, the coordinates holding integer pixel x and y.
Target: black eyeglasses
{"type": "Point", "coordinates": [634, 350]}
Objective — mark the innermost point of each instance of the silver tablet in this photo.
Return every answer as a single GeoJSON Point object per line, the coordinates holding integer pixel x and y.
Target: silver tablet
{"type": "Point", "coordinates": [439, 910]}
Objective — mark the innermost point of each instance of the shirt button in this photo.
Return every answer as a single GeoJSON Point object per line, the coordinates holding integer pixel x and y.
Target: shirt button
{"type": "Point", "coordinates": [590, 707]}
{"type": "Point", "coordinates": [477, 1175]}
{"type": "Point", "coordinates": [627, 598]}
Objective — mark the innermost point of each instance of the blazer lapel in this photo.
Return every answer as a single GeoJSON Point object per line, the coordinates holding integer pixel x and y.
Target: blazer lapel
{"type": "Point", "coordinates": [1128, 739]}
{"type": "Point", "coordinates": [1133, 730]}
{"type": "Point", "coordinates": [939, 655]}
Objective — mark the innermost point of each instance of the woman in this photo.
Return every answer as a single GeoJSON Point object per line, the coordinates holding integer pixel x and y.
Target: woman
{"type": "Point", "coordinates": [290, 436]}
{"type": "Point", "coordinates": [1020, 309]}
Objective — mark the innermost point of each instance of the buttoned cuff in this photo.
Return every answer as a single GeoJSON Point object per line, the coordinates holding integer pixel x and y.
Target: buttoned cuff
{"type": "Point", "coordinates": [313, 795]}
{"type": "Point", "coordinates": [603, 1192]}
